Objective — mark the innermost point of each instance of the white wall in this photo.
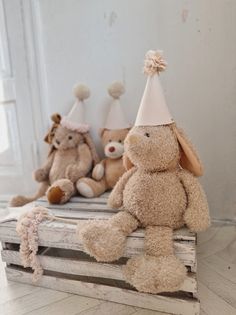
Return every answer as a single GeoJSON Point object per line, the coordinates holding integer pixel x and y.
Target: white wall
{"type": "Point", "coordinates": [96, 42]}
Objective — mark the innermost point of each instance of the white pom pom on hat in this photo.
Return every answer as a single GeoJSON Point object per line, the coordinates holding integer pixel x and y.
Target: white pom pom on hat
{"type": "Point", "coordinates": [81, 91]}
{"type": "Point", "coordinates": [75, 119]}
{"type": "Point", "coordinates": [116, 89]}
{"type": "Point", "coordinates": [116, 118]}
{"type": "Point", "coordinates": [153, 110]}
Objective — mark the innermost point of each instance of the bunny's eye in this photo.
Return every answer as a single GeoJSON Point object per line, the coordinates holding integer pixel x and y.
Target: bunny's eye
{"type": "Point", "coordinates": [110, 140]}
{"type": "Point", "coordinates": [70, 137]}
{"type": "Point", "coordinates": [147, 134]}
{"type": "Point", "coordinates": [120, 141]}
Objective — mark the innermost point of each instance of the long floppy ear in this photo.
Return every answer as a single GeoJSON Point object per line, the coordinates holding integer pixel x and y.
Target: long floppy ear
{"type": "Point", "coordinates": [90, 143]}
{"type": "Point", "coordinates": [126, 162]}
{"type": "Point", "coordinates": [56, 118]}
{"type": "Point", "coordinates": [49, 136]}
{"type": "Point", "coordinates": [189, 158]}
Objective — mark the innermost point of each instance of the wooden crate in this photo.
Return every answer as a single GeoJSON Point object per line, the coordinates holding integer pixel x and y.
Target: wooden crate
{"type": "Point", "coordinates": [67, 268]}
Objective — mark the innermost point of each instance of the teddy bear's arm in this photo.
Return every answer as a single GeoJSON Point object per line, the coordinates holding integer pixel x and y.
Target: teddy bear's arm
{"type": "Point", "coordinates": [99, 170]}
{"type": "Point", "coordinates": [75, 171]}
{"type": "Point", "coordinates": [196, 215]}
{"type": "Point", "coordinates": [42, 174]}
{"type": "Point", "coordinates": [115, 199]}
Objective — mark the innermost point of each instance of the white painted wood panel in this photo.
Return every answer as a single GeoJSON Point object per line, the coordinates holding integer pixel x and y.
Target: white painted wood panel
{"type": "Point", "coordinates": [85, 268]}
{"type": "Point", "coordinates": [212, 303]}
{"type": "Point", "coordinates": [155, 302]}
{"type": "Point", "coordinates": [64, 236]}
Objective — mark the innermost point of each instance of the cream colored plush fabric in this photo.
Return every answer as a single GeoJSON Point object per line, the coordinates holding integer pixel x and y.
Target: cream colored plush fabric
{"type": "Point", "coordinates": [157, 194]}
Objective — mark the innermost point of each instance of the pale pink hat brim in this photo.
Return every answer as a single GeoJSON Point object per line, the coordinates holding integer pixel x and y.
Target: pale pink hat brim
{"type": "Point", "coordinates": [82, 128]}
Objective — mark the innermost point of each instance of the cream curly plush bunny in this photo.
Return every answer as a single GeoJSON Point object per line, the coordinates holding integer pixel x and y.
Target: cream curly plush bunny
{"type": "Point", "coordinates": [160, 193]}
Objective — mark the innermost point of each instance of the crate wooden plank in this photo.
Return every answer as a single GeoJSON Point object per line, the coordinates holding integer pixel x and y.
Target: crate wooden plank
{"type": "Point", "coordinates": [173, 305]}
{"type": "Point", "coordinates": [86, 268]}
{"type": "Point", "coordinates": [81, 210]}
{"type": "Point", "coordinates": [182, 234]}
{"type": "Point", "coordinates": [90, 214]}
{"type": "Point", "coordinates": [64, 236]}
{"type": "Point", "coordinates": [93, 207]}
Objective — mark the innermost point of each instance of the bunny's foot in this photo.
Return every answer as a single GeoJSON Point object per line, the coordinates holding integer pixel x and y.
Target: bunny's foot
{"type": "Point", "coordinates": [155, 274]}
{"type": "Point", "coordinates": [105, 240]}
{"type": "Point", "coordinates": [102, 240]}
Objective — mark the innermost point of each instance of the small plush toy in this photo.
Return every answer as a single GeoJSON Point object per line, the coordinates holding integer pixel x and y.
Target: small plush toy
{"type": "Point", "coordinates": [106, 173]}
{"type": "Point", "coordinates": [159, 193]}
{"type": "Point", "coordinates": [71, 157]}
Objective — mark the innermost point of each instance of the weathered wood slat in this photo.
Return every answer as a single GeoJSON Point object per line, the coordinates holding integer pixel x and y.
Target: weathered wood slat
{"type": "Point", "coordinates": [92, 207]}
{"type": "Point", "coordinates": [64, 236]}
{"type": "Point", "coordinates": [171, 305]}
{"type": "Point", "coordinates": [182, 234]}
{"type": "Point", "coordinates": [85, 268]}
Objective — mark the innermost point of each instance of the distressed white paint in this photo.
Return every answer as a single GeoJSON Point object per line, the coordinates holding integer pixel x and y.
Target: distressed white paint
{"type": "Point", "coordinates": [64, 236]}
{"type": "Point", "coordinates": [173, 305]}
{"type": "Point", "coordinates": [71, 266]}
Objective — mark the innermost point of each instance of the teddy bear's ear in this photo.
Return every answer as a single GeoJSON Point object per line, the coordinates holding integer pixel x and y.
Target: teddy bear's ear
{"type": "Point", "coordinates": [56, 118]}
{"type": "Point", "coordinates": [101, 132]}
{"type": "Point", "coordinates": [126, 162]}
{"type": "Point", "coordinates": [189, 159]}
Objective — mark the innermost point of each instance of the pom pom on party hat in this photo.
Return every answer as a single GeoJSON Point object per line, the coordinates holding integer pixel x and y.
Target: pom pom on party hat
{"type": "Point", "coordinates": [116, 118]}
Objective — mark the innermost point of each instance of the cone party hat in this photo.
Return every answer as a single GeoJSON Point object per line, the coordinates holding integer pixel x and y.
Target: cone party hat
{"type": "Point", "coordinates": [75, 119]}
{"type": "Point", "coordinates": [116, 118]}
{"type": "Point", "coordinates": [153, 110]}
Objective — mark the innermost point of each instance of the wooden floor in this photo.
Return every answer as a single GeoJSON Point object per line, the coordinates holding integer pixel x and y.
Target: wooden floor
{"type": "Point", "coordinates": [216, 276]}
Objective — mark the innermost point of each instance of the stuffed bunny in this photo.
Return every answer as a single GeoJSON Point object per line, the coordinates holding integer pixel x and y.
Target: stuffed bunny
{"type": "Point", "coordinates": [72, 156]}
{"type": "Point", "coordinates": [159, 193]}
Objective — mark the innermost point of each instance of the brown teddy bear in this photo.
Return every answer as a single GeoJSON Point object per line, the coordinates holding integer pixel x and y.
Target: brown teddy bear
{"type": "Point", "coordinates": [71, 156]}
{"type": "Point", "coordinates": [160, 193]}
{"type": "Point", "coordinates": [109, 170]}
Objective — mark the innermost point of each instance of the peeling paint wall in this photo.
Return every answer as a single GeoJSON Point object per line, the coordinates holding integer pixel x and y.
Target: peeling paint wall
{"type": "Point", "coordinates": [97, 42]}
